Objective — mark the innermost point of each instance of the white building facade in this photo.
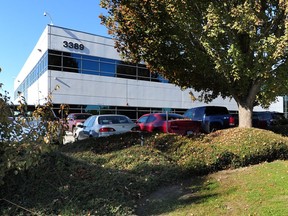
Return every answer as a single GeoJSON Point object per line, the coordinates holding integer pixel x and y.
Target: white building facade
{"type": "Point", "coordinates": [86, 72]}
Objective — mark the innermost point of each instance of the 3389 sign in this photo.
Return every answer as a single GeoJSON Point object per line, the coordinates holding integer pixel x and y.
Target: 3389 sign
{"type": "Point", "coordinates": [69, 44]}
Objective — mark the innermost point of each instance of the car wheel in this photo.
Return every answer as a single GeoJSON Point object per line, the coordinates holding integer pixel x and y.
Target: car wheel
{"type": "Point", "coordinates": [214, 127]}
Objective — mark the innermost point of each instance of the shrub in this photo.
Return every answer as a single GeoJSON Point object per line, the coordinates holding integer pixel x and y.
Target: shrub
{"type": "Point", "coordinates": [24, 139]}
{"type": "Point", "coordinates": [224, 149]}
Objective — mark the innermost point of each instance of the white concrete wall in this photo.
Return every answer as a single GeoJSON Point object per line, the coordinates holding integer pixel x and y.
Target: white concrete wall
{"type": "Point", "coordinates": [36, 54]}
{"type": "Point", "coordinates": [94, 45]}
{"type": "Point", "coordinates": [38, 92]}
{"type": "Point", "coordinates": [277, 106]}
{"type": "Point", "coordinates": [100, 90]}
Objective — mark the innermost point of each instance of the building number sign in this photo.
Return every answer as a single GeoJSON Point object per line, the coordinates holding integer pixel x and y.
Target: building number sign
{"type": "Point", "coordinates": [72, 45]}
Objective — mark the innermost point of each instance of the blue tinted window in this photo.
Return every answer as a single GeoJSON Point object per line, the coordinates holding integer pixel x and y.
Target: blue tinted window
{"type": "Point", "coordinates": [33, 76]}
{"type": "Point", "coordinates": [107, 69]}
{"type": "Point", "coordinates": [108, 60]}
{"type": "Point", "coordinates": [91, 65]}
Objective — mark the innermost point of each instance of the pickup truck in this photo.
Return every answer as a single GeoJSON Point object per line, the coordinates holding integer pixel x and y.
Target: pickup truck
{"type": "Point", "coordinates": [212, 118]}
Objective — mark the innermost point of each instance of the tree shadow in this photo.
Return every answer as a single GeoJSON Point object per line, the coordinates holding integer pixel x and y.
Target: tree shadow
{"type": "Point", "coordinates": [61, 184]}
{"type": "Point", "coordinates": [170, 198]}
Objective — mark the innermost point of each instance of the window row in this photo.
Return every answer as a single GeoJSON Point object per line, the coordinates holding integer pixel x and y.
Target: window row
{"type": "Point", "coordinates": [76, 63]}
{"type": "Point", "coordinates": [36, 72]}
{"type": "Point", "coordinates": [132, 112]}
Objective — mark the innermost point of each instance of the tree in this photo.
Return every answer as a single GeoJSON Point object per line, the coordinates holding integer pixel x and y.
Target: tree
{"type": "Point", "coordinates": [235, 48]}
{"type": "Point", "coordinates": [24, 139]}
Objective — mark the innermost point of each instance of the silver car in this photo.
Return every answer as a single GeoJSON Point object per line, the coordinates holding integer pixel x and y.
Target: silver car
{"type": "Point", "coordinates": [104, 125]}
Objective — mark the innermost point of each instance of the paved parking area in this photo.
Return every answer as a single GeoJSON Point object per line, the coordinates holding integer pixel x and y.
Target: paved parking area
{"type": "Point", "coordinates": [68, 138]}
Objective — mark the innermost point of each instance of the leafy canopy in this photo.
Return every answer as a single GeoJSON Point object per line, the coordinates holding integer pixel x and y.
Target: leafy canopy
{"type": "Point", "coordinates": [231, 48]}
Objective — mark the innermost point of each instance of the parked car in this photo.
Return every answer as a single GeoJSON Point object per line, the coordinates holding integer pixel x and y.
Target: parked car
{"type": "Point", "coordinates": [168, 123]}
{"type": "Point", "coordinates": [257, 121]}
{"type": "Point", "coordinates": [104, 125]}
{"type": "Point", "coordinates": [77, 130]}
{"type": "Point", "coordinates": [18, 129]}
{"type": "Point", "coordinates": [265, 119]}
{"type": "Point", "coordinates": [73, 119]}
{"type": "Point", "coordinates": [272, 118]}
{"type": "Point", "coordinates": [212, 118]}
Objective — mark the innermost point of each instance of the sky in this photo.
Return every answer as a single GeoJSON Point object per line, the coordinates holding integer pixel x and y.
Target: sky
{"type": "Point", "coordinates": [22, 23]}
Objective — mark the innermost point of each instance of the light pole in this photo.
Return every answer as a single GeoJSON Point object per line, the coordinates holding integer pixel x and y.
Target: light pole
{"type": "Point", "coordinates": [47, 14]}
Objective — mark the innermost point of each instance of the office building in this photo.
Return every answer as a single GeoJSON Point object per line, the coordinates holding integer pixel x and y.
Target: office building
{"type": "Point", "coordinates": [85, 72]}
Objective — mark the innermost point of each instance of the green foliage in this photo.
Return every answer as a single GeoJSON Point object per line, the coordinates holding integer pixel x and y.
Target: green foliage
{"type": "Point", "coordinates": [233, 148]}
{"type": "Point", "coordinates": [219, 48]}
{"type": "Point", "coordinates": [25, 138]}
{"type": "Point", "coordinates": [109, 176]}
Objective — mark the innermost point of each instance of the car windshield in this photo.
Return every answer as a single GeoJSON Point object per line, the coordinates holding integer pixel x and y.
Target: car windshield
{"type": "Point", "coordinates": [216, 111]}
{"type": "Point", "coordinates": [172, 116]}
{"type": "Point", "coordinates": [113, 120]}
{"type": "Point", "coordinates": [82, 116]}
{"type": "Point", "coordinates": [279, 116]}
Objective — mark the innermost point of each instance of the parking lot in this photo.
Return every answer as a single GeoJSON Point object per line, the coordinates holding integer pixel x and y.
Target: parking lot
{"type": "Point", "coordinates": [68, 138]}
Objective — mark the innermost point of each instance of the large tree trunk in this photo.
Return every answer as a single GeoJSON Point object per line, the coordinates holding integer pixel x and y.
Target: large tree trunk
{"type": "Point", "coordinates": [245, 115]}
{"type": "Point", "coordinates": [245, 107]}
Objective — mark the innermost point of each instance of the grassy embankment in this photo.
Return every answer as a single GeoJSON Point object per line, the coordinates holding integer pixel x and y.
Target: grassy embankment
{"type": "Point", "coordinates": [169, 175]}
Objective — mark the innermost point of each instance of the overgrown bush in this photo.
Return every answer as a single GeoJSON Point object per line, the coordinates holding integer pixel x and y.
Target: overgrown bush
{"type": "Point", "coordinates": [222, 149]}
{"type": "Point", "coordinates": [25, 138]}
{"type": "Point", "coordinates": [202, 154]}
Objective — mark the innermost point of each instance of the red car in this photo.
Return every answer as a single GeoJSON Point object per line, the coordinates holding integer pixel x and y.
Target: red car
{"type": "Point", "coordinates": [168, 123]}
{"type": "Point", "coordinates": [73, 119]}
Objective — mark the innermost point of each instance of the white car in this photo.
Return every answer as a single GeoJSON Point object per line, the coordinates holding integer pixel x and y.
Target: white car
{"type": "Point", "coordinates": [22, 129]}
{"type": "Point", "coordinates": [104, 125]}
{"type": "Point", "coordinates": [76, 131]}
